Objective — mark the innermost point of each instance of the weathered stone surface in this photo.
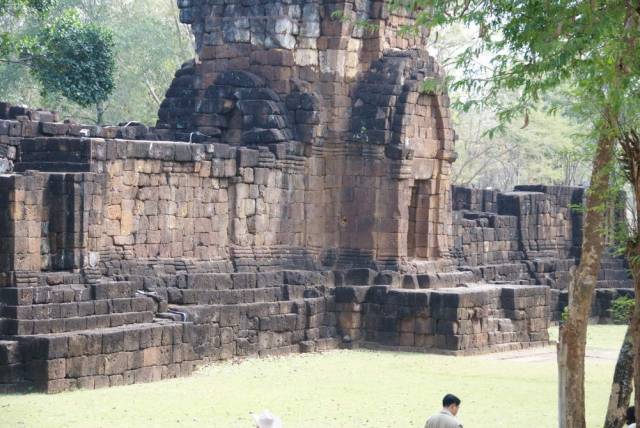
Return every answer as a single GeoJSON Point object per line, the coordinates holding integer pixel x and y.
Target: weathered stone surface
{"type": "Point", "coordinates": [293, 195]}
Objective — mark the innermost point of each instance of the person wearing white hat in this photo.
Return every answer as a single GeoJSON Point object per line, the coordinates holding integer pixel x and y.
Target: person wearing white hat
{"type": "Point", "coordinates": [267, 420]}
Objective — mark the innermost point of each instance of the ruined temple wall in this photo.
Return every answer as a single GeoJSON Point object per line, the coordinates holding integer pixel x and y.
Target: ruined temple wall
{"type": "Point", "coordinates": [485, 238]}
{"type": "Point", "coordinates": [174, 200]}
{"type": "Point", "coordinates": [22, 223]}
{"type": "Point", "coordinates": [531, 222]}
{"type": "Point", "coordinates": [142, 200]}
{"type": "Point", "coordinates": [460, 321]}
{"type": "Point", "coordinates": [532, 235]}
{"type": "Point", "coordinates": [219, 203]}
{"type": "Point", "coordinates": [347, 91]}
{"type": "Point", "coordinates": [12, 130]}
{"type": "Point", "coordinates": [318, 38]}
{"type": "Point", "coordinates": [8, 206]}
{"type": "Point", "coordinates": [45, 221]}
{"type": "Point", "coordinates": [161, 200]}
{"type": "Point", "coordinates": [549, 224]}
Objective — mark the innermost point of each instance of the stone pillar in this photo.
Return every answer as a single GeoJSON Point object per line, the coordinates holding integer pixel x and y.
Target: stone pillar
{"type": "Point", "coordinates": [20, 223]}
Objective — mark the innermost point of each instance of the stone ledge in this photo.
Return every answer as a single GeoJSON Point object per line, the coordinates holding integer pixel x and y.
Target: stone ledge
{"type": "Point", "coordinates": [505, 347]}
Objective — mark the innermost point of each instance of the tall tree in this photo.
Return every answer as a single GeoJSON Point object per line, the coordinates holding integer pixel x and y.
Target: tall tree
{"type": "Point", "coordinates": [149, 46]}
{"type": "Point", "coordinates": [532, 47]}
{"type": "Point", "coordinates": [75, 60]}
{"type": "Point", "coordinates": [628, 366]}
{"type": "Point", "coordinates": [64, 54]}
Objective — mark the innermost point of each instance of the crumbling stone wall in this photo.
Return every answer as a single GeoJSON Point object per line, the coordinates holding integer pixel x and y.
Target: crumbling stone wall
{"type": "Point", "coordinates": [372, 142]}
{"type": "Point", "coordinates": [16, 122]}
{"type": "Point", "coordinates": [294, 196]}
{"type": "Point", "coordinates": [455, 320]}
{"type": "Point", "coordinates": [532, 235]}
{"type": "Point", "coordinates": [175, 200]}
{"type": "Point", "coordinates": [45, 221]}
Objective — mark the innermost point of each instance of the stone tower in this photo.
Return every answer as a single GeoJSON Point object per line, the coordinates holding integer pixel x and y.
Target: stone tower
{"type": "Point", "coordinates": [330, 92]}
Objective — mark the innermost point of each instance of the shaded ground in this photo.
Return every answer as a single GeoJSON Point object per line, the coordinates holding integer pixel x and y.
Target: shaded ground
{"type": "Point", "coordinates": [340, 389]}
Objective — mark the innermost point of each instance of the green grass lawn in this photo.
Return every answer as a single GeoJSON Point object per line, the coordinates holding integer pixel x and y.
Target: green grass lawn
{"type": "Point", "coordinates": [338, 389]}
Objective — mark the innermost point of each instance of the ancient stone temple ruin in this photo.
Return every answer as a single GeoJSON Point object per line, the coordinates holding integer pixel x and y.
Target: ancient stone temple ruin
{"type": "Point", "coordinates": [294, 196]}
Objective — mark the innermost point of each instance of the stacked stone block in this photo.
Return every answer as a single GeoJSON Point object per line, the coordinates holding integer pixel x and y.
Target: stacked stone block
{"type": "Point", "coordinates": [108, 357]}
{"type": "Point", "coordinates": [21, 203]}
{"type": "Point", "coordinates": [62, 328]}
{"type": "Point", "coordinates": [18, 122]}
{"type": "Point", "coordinates": [529, 236]}
{"type": "Point", "coordinates": [600, 308]}
{"type": "Point", "coordinates": [308, 72]}
{"type": "Point", "coordinates": [294, 196]}
{"type": "Point", "coordinates": [459, 321]}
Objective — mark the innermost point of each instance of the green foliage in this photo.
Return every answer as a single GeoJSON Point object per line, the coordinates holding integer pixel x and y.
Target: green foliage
{"type": "Point", "coordinates": [621, 309]}
{"type": "Point", "coordinates": [549, 150]}
{"type": "Point", "coordinates": [21, 7]}
{"type": "Point", "coordinates": [434, 85]}
{"type": "Point", "coordinates": [65, 55]}
{"type": "Point", "coordinates": [531, 48]}
{"type": "Point", "coordinates": [149, 45]}
{"type": "Point", "coordinates": [13, 14]}
{"type": "Point", "coordinates": [75, 60]}
{"type": "Point", "coordinates": [365, 24]}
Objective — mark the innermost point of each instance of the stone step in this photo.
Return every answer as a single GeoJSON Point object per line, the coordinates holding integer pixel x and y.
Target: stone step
{"type": "Point", "coordinates": [104, 340]}
{"type": "Point", "coordinates": [53, 166]}
{"type": "Point", "coordinates": [78, 309]}
{"type": "Point", "coordinates": [59, 278]}
{"type": "Point", "coordinates": [113, 290]}
{"type": "Point", "coordinates": [11, 373]}
{"type": "Point", "coordinates": [223, 297]}
{"type": "Point", "coordinates": [627, 283]}
{"type": "Point", "coordinates": [614, 274]}
{"type": "Point", "coordinates": [101, 357]}
{"type": "Point", "coordinates": [16, 387]}
{"type": "Point", "coordinates": [66, 293]}
{"type": "Point", "coordinates": [34, 295]}
{"type": "Point", "coordinates": [232, 297]}
{"type": "Point", "coordinates": [63, 325]}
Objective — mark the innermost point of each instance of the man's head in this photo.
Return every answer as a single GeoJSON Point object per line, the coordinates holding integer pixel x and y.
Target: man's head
{"type": "Point", "coordinates": [451, 403]}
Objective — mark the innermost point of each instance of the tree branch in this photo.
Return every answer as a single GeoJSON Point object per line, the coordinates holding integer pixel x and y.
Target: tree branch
{"type": "Point", "coordinates": [152, 92]}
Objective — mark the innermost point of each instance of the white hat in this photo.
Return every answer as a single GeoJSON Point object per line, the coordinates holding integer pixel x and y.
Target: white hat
{"type": "Point", "coordinates": [267, 420]}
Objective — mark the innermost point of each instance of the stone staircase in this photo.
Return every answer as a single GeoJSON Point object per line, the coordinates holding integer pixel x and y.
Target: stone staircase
{"type": "Point", "coordinates": [614, 273]}
{"type": "Point", "coordinates": [64, 330]}
{"type": "Point", "coordinates": [51, 309]}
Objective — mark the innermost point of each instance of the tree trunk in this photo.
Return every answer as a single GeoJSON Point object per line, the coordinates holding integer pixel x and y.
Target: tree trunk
{"type": "Point", "coordinates": [99, 113]}
{"type": "Point", "coordinates": [630, 162]}
{"type": "Point", "coordinates": [573, 333]}
{"type": "Point", "coordinates": [633, 255]}
{"type": "Point", "coordinates": [622, 385]}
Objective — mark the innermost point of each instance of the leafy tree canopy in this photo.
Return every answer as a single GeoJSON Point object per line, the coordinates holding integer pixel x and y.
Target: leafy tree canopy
{"type": "Point", "coordinates": [74, 59]}
{"type": "Point", "coordinates": [66, 55]}
{"type": "Point", "coordinates": [533, 46]}
{"type": "Point", "coordinates": [149, 45]}
{"type": "Point", "coordinates": [18, 7]}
